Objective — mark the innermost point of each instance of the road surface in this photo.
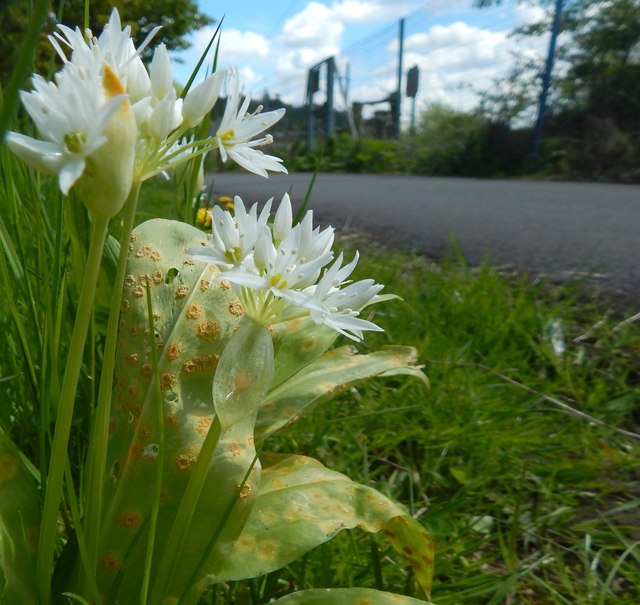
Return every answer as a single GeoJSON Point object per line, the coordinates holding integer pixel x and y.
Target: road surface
{"type": "Point", "coordinates": [557, 228]}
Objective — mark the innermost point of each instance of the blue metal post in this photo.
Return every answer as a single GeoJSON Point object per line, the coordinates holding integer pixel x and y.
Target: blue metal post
{"type": "Point", "coordinates": [546, 81]}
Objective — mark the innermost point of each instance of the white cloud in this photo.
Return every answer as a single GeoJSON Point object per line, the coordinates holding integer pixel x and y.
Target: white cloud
{"type": "Point", "coordinates": [235, 46]}
{"type": "Point", "coordinates": [368, 11]}
{"type": "Point", "coordinates": [316, 25]}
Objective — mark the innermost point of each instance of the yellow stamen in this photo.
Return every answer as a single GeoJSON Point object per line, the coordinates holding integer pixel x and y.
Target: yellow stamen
{"type": "Point", "coordinates": [74, 141]}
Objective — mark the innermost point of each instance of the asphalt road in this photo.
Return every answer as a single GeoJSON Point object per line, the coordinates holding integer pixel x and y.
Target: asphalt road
{"type": "Point", "coordinates": [563, 229]}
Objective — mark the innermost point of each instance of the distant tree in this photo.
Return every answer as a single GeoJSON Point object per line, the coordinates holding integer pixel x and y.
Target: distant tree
{"type": "Point", "coordinates": [594, 111]}
{"type": "Point", "coordinates": [177, 18]}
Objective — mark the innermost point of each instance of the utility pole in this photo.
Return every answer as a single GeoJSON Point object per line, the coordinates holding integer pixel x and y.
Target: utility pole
{"type": "Point", "coordinates": [397, 106]}
{"type": "Point", "coordinates": [413, 76]}
{"type": "Point", "coordinates": [330, 116]}
{"type": "Point", "coordinates": [313, 85]}
{"type": "Point", "coordinates": [546, 80]}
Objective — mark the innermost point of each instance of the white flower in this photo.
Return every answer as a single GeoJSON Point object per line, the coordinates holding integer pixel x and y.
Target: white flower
{"type": "Point", "coordinates": [200, 99]}
{"type": "Point", "coordinates": [71, 115]}
{"type": "Point", "coordinates": [114, 46]}
{"type": "Point", "coordinates": [338, 307]}
{"type": "Point", "coordinates": [275, 270]}
{"type": "Point", "coordinates": [238, 128]}
{"type": "Point", "coordinates": [233, 238]}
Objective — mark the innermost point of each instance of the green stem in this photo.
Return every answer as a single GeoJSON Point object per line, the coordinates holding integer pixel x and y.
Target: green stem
{"type": "Point", "coordinates": [185, 512]}
{"type": "Point", "coordinates": [159, 411]}
{"type": "Point", "coordinates": [54, 482]}
{"type": "Point", "coordinates": [98, 445]}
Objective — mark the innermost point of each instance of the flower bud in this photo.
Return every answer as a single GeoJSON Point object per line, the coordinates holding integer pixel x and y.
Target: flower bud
{"type": "Point", "coordinates": [108, 176]}
{"type": "Point", "coordinates": [200, 100]}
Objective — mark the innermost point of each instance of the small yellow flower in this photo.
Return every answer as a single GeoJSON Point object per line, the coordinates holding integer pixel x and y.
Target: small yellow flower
{"type": "Point", "coordinates": [203, 218]}
{"type": "Point", "coordinates": [226, 202]}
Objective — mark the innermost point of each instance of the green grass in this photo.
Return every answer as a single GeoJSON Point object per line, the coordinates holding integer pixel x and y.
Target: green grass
{"type": "Point", "coordinates": [527, 502]}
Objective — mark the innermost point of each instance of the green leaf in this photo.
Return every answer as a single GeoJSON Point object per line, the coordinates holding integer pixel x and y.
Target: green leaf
{"type": "Point", "coordinates": [302, 504]}
{"type": "Point", "coordinates": [347, 596]}
{"type": "Point", "coordinates": [195, 314]}
{"type": "Point", "coordinates": [327, 375]}
{"type": "Point", "coordinates": [19, 527]}
{"type": "Point", "coordinates": [297, 344]}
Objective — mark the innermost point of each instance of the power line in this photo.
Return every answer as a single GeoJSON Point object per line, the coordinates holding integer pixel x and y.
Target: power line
{"type": "Point", "coordinates": [281, 18]}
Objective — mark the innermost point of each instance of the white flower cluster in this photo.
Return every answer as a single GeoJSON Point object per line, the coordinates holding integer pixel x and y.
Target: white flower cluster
{"type": "Point", "coordinates": [104, 77]}
{"type": "Point", "coordinates": [281, 271]}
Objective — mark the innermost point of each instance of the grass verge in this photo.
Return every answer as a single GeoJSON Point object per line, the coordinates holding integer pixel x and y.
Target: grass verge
{"type": "Point", "coordinates": [527, 502]}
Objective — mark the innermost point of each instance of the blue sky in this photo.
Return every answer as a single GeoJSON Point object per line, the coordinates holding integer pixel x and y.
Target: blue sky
{"type": "Point", "coordinates": [459, 49]}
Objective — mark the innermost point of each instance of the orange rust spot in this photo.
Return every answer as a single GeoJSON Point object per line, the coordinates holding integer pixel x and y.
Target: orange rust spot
{"type": "Point", "coordinates": [194, 310]}
{"type": "Point", "coordinates": [146, 369]}
{"type": "Point", "coordinates": [204, 284]}
{"type": "Point", "coordinates": [8, 467]}
{"type": "Point", "coordinates": [173, 351]}
{"type": "Point", "coordinates": [181, 291]}
{"type": "Point", "coordinates": [184, 461]}
{"type": "Point", "coordinates": [138, 291]}
{"type": "Point", "coordinates": [156, 315]}
{"type": "Point", "coordinates": [267, 549]}
{"type": "Point", "coordinates": [208, 329]}
{"type": "Point", "coordinates": [129, 281]}
{"type": "Point", "coordinates": [241, 381]}
{"type": "Point", "coordinates": [145, 432]}
{"type": "Point", "coordinates": [234, 450]}
{"type": "Point", "coordinates": [167, 380]}
{"type": "Point", "coordinates": [157, 277]}
{"type": "Point", "coordinates": [245, 492]}
{"type": "Point", "coordinates": [306, 345]}
{"type": "Point", "coordinates": [134, 330]}
{"type": "Point", "coordinates": [155, 256]}
{"type": "Point", "coordinates": [171, 420]}
{"type": "Point", "coordinates": [134, 237]}
{"type": "Point", "coordinates": [135, 451]}
{"type": "Point", "coordinates": [224, 284]}
{"type": "Point", "coordinates": [130, 519]}
{"type": "Point", "coordinates": [132, 390]}
{"type": "Point", "coordinates": [132, 358]}
{"type": "Point", "coordinates": [203, 425]}
{"type": "Point", "coordinates": [235, 308]}
{"type": "Point", "coordinates": [32, 535]}
{"type": "Point", "coordinates": [201, 363]}
{"type": "Point", "coordinates": [111, 562]}
{"type": "Point", "coordinates": [126, 305]}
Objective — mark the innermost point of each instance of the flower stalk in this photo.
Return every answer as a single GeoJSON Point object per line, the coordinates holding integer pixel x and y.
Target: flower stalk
{"type": "Point", "coordinates": [64, 417]}
{"type": "Point", "coordinates": [98, 444]}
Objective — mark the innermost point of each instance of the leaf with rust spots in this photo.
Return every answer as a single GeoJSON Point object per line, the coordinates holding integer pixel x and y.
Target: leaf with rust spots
{"type": "Point", "coordinates": [19, 526]}
{"type": "Point", "coordinates": [346, 596]}
{"type": "Point", "coordinates": [302, 504]}
{"type": "Point", "coordinates": [321, 378]}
